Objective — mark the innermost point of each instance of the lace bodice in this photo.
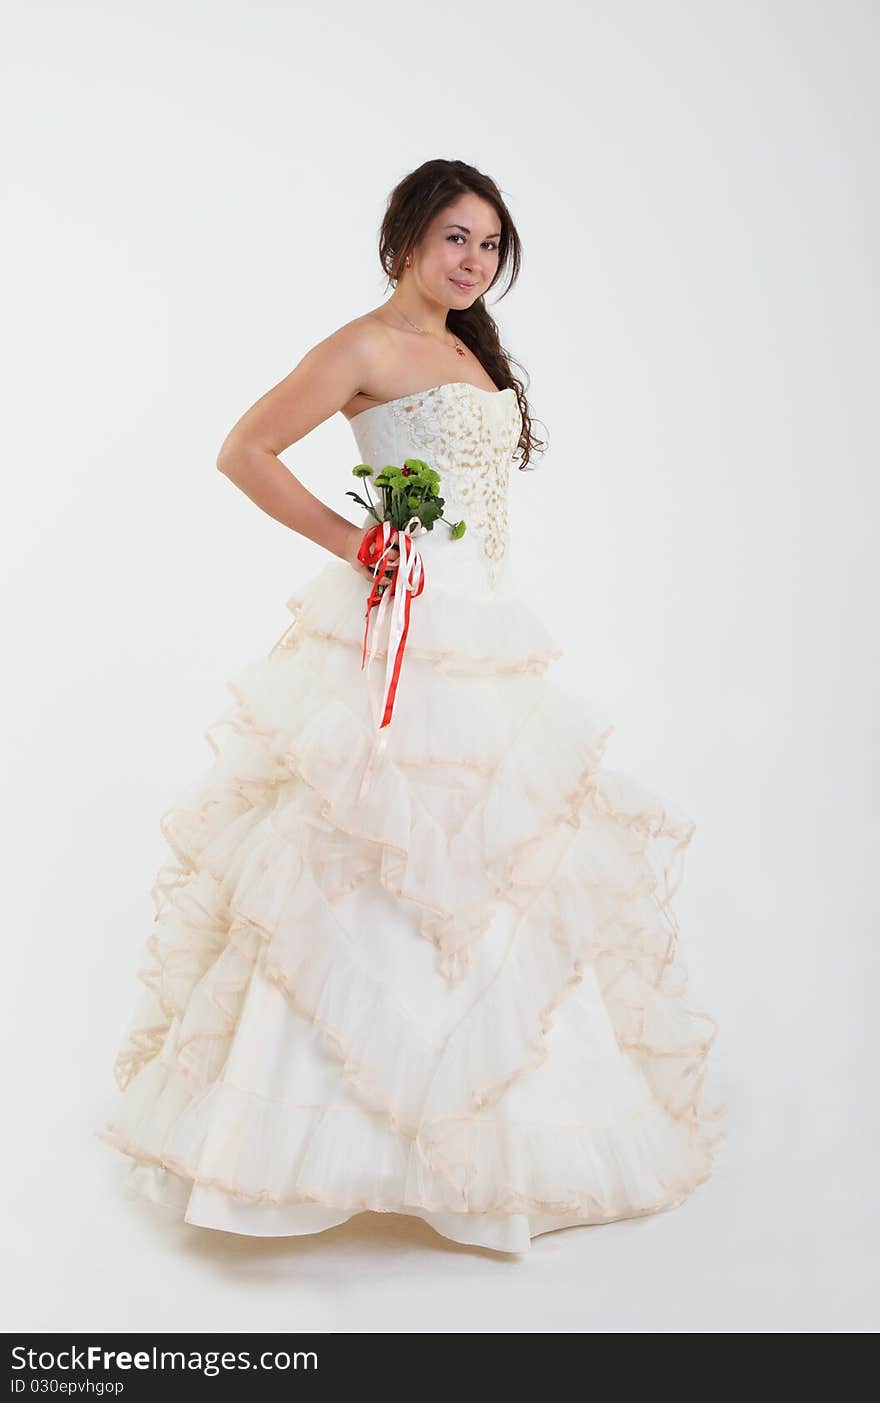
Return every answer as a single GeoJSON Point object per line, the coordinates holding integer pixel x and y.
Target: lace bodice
{"type": "Point", "coordinates": [468, 436]}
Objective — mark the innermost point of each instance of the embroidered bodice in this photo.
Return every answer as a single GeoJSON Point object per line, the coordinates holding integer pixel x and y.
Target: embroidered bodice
{"type": "Point", "coordinates": [468, 436]}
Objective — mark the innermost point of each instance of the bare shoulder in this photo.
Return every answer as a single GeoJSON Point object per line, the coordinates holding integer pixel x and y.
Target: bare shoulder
{"type": "Point", "coordinates": [366, 335]}
{"type": "Point", "coordinates": [324, 382]}
{"type": "Point", "coordinates": [358, 343]}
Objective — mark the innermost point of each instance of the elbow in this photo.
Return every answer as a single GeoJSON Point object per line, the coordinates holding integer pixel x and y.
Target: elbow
{"type": "Point", "coordinates": [237, 457]}
{"type": "Point", "coordinates": [227, 457]}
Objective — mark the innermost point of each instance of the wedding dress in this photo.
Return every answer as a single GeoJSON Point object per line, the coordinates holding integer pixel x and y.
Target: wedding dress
{"type": "Point", "coordinates": [432, 969]}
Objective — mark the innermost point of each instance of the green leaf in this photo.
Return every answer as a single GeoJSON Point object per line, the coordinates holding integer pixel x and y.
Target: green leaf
{"type": "Point", "coordinates": [360, 501]}
{"type": "Point", "coordinates": [404, 495]}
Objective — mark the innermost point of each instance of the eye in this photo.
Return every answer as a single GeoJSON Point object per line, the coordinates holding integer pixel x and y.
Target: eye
{"type": "Point", "coordinates": [492, 242]}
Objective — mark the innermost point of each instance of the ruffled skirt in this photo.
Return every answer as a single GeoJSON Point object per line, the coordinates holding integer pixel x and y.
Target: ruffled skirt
{"type": "Point", "coordinates": [439, 977]}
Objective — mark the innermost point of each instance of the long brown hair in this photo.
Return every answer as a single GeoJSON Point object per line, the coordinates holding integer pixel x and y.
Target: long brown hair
{"type": "Point", "coordinates": [412, 204]}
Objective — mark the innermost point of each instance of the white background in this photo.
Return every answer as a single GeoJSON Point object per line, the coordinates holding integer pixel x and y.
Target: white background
{"type": "Point", "coordinates": [194, 193]}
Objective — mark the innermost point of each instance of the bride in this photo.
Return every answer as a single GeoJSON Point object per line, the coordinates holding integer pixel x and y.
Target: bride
{"type": "Point", "coordinates": [414, 948]}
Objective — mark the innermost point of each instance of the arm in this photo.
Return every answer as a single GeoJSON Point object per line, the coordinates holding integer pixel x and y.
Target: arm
{"type": "Point", "coordinates": [329, 375]}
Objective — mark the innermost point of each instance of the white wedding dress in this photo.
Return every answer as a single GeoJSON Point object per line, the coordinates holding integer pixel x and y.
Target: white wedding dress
{"type": "Point", "coordinates": [436, 975]}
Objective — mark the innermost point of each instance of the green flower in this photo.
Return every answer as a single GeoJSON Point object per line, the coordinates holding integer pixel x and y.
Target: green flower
{"type": "Point", "coordinates": [405, 492]}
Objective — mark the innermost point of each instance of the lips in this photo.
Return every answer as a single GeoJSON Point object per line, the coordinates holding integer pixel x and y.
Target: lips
{"type": "Point", "coordinates": [465, 287]}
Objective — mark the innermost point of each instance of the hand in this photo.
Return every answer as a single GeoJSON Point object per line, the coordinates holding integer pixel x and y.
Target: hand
{"type": "Point", "coordinates": [351, 555]}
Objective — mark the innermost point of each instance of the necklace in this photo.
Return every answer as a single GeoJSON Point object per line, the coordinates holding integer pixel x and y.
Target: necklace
{"type": "Point", "coordinates": [458, 346]}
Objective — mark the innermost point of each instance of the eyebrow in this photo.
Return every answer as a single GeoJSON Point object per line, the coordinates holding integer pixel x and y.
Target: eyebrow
{"type": "Point", "coordinates": [467, 230]}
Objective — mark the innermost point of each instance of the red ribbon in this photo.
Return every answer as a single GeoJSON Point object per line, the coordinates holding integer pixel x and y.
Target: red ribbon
{"type": "Point", "coordinates": [407, 581]}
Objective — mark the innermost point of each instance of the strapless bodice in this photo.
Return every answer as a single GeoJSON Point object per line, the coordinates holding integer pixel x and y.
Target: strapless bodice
{"type": "Point", "coordinates": [468, 436]}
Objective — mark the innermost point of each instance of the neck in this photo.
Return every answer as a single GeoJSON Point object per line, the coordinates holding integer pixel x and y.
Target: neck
{"type": "Point", "coordinates": [427, 314]}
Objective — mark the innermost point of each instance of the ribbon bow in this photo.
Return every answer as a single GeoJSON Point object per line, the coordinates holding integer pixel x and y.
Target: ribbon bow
{"type": "Point", "coordinates": [407, 581]}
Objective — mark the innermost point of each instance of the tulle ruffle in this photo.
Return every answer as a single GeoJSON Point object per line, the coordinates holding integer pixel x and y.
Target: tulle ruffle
{"type": "Point", "coordinates": [260, 1151]}
{"type": "Point", "coordinates": [456, 632]}
{"type": "Point", "coordinates": [492, 794]}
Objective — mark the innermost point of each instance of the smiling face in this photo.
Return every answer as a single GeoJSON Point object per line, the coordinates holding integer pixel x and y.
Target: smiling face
{"type": "Point", "coordinates": [457, 257]}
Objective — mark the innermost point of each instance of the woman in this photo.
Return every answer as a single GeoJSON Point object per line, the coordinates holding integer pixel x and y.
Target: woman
{"type": "Point", "coordinates": [415, 952]}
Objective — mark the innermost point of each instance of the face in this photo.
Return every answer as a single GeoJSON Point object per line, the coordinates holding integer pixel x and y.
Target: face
{"type": "Point", "coordinates": [457, 257]}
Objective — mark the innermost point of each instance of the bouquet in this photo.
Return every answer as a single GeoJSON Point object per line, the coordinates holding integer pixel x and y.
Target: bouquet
{"type": "Point", "coordinates": [409, 505]}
